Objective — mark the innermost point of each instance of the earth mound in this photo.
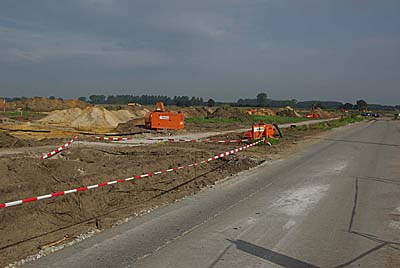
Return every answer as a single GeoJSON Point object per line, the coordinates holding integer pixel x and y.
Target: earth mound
{"type": "Point", "coordinates": [288, 112]}
{"type": "Point", "coordinates": [197, 111]}
{"type": "Point", "coordinates": [8, 141]}
{"type": "Point", "coordinates": [325, 114]}
{"type": "Point", "coordinates": [265, 111]}
{"type": "Point", "coordinates": [229, 113]}
{"type": "Point", "coordinates": [42, 104]}
{"type": "Point", "coordinates": [91, 118]}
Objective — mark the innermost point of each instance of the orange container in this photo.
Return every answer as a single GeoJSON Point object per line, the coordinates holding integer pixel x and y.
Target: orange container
{"type": "Point", "coordinates": [165, 120]}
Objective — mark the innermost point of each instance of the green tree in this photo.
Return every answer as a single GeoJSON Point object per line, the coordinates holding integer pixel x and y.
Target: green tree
{"type": "Point", "coordinates": [362, 105]}
{"type": "Point", "coordinates": [210, 103]}
{"type": "Point", "coordinates": [348, 106]}
{"type": "Point", "coordinates": [262, 99]}
{"type": "Point", "coordinates": [97, 99]}
{"type": "Point", "coordinates": [52, 98]}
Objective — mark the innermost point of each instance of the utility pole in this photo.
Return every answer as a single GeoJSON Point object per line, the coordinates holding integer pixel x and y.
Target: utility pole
{"type": "Point", "coordinates": [4, 108]}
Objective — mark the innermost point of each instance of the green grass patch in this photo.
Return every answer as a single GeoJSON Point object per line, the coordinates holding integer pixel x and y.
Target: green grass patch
{"type": "Point", "coordinates": [333, 124]}
{"type": "Point", "coordinates": [273, 141]}
{"type": "Point", "coordinates": [248, 120]}
{"type": "Point", "coordinates": [277, 119]}
{"type": "Point", "coordinates": [15, 114]}
{"type": "Point", "coordinates": [205, 120]}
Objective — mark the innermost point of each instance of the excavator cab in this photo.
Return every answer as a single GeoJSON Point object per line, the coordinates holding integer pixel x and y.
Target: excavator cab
{"type": "Point", "coordinates": [160, 107]}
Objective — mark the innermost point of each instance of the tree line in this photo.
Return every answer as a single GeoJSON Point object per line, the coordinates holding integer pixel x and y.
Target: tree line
{"type": "Point", "coordinates": [182, 101]}
{"type": "Point", "coordinates": [261, 100]}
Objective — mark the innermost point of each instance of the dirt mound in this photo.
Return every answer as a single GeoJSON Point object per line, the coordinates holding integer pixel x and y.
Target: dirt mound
{"type": "Point", "coordinates": [325, 114]}
{"type": "Point", "coordinates": [97, 118]}
{"type": "Point", "coordinates": [288, 112]}
{"type": "Point", "coordinates": [41, 104]}
{"type": "Point", "coordinates": [197, 111]}
{"type": "Point", "coordinates": [132, 126]}
{"type": "Point", "coordinates": [8, 141]}
{"type": "Point", "coordinates": [135, 113]}
{"type": "Point", "coordinates": [265, 111]}
{"type": "Point", "coordinates": [228, 113]}
{"type": "Point", "coordinates": [91, 118]}
{"type": "Point", "coordinates": [61, 116]}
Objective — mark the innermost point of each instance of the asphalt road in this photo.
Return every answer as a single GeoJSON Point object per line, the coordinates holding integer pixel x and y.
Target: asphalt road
{"type": "Point", "coordinates": [335, 203]}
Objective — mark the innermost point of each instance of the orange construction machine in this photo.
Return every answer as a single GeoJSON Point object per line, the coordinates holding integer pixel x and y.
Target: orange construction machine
{"type": "Point", "coordinates": [313, 114]}
{"type": "Point", "coordinates": [263, 130]}
{"type": "Point", "coordinates": [162, 119]}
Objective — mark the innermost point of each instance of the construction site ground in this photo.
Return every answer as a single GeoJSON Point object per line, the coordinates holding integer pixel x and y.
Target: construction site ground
{"type": "Point", "coordinates": [32, 227]}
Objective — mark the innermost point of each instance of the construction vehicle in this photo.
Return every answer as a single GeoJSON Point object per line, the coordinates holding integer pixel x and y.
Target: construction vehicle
{"type": "Point", "coordinates": [262, 130]}
{"type": "Point", "coordinates": [313, 114]}
{"type": "Point", "coordinates": [162, 119]}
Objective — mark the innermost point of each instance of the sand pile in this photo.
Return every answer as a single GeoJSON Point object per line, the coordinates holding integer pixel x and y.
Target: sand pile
{"type": "Point", "coordinates": [91, 118]}
{"type": "Point", "coordinates": [61, 116]}
{"type": "Point", "coordinates": [325, 114]}
{"type": "Point", "coordinates": [98, 118]}
{"type": "Point", "coordinates": [138, 111]}
{"type": "Point", "coordinates": [265, 111]}
{"type": "Point", "coordinates": [229, 113]}
{"type": "Point", "coordinates": [288, 112]}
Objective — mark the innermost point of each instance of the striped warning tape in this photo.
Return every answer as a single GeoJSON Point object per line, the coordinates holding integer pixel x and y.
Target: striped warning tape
{"type": "Point", "coordinates": [59, 149]}
{"type": "Point", "coordinates": [173, 140]}
{"type": "Point", "coordinates": [113, 138]}
{"type": "Point", "coordinates": [205, 140]}
{"type": "Point", "coordinates": [85, 188]}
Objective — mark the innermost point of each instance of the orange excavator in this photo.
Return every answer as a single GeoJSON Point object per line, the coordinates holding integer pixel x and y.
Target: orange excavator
{"type": "Point", "coordinates": [262, 130]}
{"type": "Point", "coordinates": [162, 119]}
{"type": "Point", "coordinates": [313, 114]}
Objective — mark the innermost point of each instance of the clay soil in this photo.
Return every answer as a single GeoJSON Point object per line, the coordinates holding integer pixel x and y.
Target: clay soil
{"type": "Point", "coordinates": [25, 229]}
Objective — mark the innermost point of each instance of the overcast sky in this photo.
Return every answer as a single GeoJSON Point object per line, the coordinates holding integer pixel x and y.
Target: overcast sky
{"type": "Point", "coordinates": [225, 49]}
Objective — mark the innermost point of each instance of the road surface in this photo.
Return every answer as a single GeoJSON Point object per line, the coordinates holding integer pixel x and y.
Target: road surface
{"type": "Point", "coordinates": [335, 203]}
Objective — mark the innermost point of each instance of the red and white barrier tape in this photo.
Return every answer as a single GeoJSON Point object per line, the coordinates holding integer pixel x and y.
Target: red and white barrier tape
{"type": "Point", "coordinates": [172, 140]}
{"type": "Point", "coordinates": [59, 149]}
{"type": "Point", "coordinates": [84, 188]}
{"type": "Point", "coordinates": [113, 138]}
{"type": "Point", "coordinates": [205, 140]}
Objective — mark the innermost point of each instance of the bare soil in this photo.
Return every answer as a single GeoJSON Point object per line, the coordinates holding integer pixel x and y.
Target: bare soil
{"type": "Point", "coordinates": [229, 113]}
{"type": "Point", "coordinates": [9, 141]}
{"type": "Point", "coordinates": [42, 104]}
{"type": "Point", "coordinates": [25, 229]}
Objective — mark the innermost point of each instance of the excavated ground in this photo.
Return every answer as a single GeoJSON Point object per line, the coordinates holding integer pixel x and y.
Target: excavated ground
{"type": "Point", "coordinates": [27, 228]}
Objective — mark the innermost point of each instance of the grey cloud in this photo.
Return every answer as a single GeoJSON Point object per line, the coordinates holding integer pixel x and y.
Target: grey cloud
{"type": "Point", "coordinates": [224, 49]}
